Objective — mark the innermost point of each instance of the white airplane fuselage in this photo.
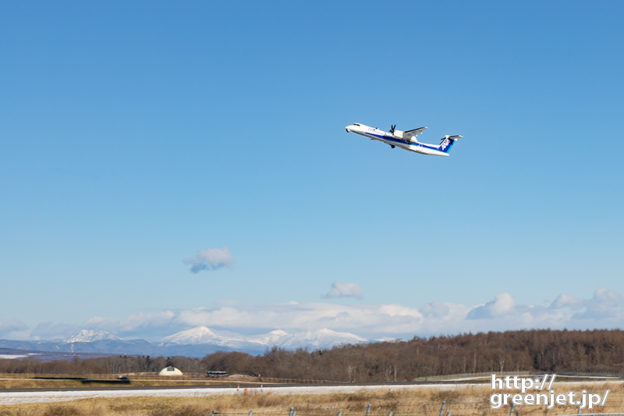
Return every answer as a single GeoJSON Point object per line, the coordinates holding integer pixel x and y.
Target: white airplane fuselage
{"type": "Point", "coordinates": [396, 138]}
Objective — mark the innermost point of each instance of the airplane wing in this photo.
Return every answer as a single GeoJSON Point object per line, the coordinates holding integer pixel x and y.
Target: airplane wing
{"type": "Point", "coordinates": [411, 133]}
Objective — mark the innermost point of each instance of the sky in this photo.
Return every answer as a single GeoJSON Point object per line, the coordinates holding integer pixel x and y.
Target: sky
{"type": "Point", "coordinates": [161, 158]}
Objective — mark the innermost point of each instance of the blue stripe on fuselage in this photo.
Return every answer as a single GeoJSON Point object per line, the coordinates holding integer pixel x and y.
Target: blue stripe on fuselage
{"type": "Point", "coordinates": [394, 139]}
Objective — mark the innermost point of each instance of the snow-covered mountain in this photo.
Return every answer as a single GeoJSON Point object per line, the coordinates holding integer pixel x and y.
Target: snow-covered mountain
{"type": "Point", "coordinates": [192, 342]}
{"type": "Point", "coordinates": [321, 338]}
{"type": "Point", "coordinates": [275, 337]}
{"type": "Point", "coordinates": [90, 335]}
{"type": "Point", "coordinates": [201, 335]}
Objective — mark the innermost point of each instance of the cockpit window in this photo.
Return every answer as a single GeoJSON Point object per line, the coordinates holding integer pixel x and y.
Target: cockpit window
{"type": "Point", "coordinates": [356, 124]}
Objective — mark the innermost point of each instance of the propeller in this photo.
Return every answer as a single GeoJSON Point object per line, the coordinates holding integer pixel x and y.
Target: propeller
{"type": "Point", "coordinates": [392, 127]}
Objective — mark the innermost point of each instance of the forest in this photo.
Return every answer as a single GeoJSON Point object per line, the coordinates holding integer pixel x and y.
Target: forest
{"type": "Point", "coordinates": [560, 351]}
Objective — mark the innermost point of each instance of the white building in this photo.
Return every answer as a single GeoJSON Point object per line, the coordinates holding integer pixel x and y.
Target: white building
{"type": "Point", "coordinates": [170, 371]}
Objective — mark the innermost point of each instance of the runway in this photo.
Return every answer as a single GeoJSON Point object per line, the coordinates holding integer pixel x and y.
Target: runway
{"type": "Point", "coordinates": [60, 395]}
{"type": "Point", "coordinates": [21, 397]}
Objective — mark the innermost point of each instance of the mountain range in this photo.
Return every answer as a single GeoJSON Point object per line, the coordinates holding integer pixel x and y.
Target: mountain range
{"type": "Point", "coordinates": [192, 342]}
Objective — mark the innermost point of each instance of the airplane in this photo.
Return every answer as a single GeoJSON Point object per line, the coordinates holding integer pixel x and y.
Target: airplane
{"type": "Point", "coordinates": [404, 139]}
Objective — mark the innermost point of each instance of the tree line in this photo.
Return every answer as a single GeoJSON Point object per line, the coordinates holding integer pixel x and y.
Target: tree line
{"type": "Point", "coordinates": [592, 351]}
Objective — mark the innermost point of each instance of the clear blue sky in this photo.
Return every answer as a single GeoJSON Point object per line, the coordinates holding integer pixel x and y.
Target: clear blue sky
{"type": "Point", "coordinates": [134, 134]}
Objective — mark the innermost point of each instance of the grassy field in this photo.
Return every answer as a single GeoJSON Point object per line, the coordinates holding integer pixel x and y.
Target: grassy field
{"type": "Point", "coordinates": [468, 401]}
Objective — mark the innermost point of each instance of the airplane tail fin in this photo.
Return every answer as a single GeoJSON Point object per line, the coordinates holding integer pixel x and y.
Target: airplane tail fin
{"type": "Point", "coordinates": [447, 142]}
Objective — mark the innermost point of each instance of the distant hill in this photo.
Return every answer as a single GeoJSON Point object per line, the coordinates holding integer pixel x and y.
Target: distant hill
{"type": "Point", "coordinates": [55, 350]}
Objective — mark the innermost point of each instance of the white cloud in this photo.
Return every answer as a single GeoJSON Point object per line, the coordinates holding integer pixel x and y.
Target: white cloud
{"type": "Point", "coordinates": [344, 290]}
{"type": "Point", "coordinates": [501, 305]}
{"type": "Point", "coordinates": [52, 330]}
{"type": "Point", "coordinates": [398, 310]}
{"type": "Point", "coordinates": [12, 329]}
{"type": "Point", "coordinates": [435, 309]}
{"type": "Point", "coordinates": [604, 309]}
{"type": "Point", "coordinates": [566, 301]}
{"type": "Point", "coordinates": [210, 259]}
{"type": "Point", "coordinates": [605, 306]}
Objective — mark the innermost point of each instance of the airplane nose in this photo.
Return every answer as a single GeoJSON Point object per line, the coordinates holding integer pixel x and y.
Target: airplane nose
{"type": "Point", "coordinates": [347, 129]}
